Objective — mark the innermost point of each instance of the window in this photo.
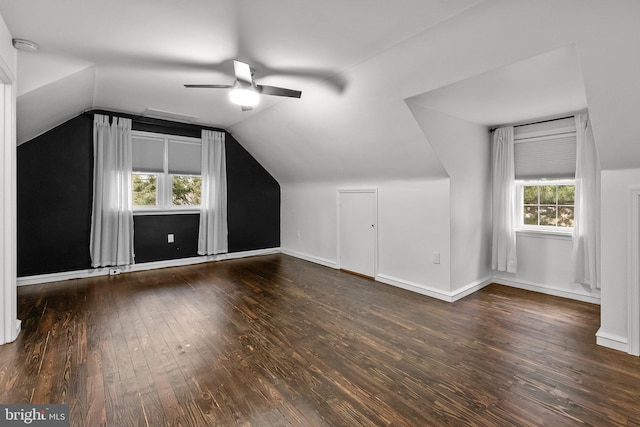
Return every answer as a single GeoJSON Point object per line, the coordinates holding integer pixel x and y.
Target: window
{"type": "Point", "coordinates": [545, 161]}
{"type": "Point", "coordinates": [546, 205]}
{"type": "Point", "coordinates": [166, 172]}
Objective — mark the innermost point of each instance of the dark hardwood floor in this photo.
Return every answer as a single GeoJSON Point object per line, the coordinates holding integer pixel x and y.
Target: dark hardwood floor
{"type": "Point", "coordinates": [277, 341]}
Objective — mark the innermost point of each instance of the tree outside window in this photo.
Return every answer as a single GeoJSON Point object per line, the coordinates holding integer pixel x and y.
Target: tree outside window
{"type": "Point", "coordinates": [186, 190]}
{"type": "Point", "coordinates": [145, 189]}
{"type": "Point", "coordinates": [548, 204]}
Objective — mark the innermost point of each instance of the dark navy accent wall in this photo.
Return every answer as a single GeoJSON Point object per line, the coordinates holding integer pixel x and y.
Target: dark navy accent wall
{"type": "Point", "coordinates": [151, 232]}
{"type": "Point", "coordinates": [55, 180]}
{"type": "Point", "coordinates": [253, 201]}
{"type": "Point", "coordinates": [55, 190]}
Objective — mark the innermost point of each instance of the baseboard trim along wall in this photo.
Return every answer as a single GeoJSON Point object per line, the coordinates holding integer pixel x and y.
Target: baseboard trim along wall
{"type": "Point", "coordinates": [471, 288]}
{"type": "Point", "coordinates": [105, 271]}
{"type": "Point", "coordinates": [549, 290]}
{"type": "Point", "coordinates": [432, 292]}
{"type": "Point", "coordinates": [310, 258]}
{"type": "Point", "coordinates": [458, 293]}
{"type": "Point", "coordinates": [612, 341]}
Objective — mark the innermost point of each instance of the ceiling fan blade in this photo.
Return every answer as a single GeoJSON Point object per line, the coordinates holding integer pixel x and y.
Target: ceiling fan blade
{"type": "Point", "coordinates": [246, 108]}
{"type": "Point", "coordinates": [279, 91]}
{"type": "Point", "coordinates": [243, 72]}
{"type": "Point", "coordinates": [210, 86]}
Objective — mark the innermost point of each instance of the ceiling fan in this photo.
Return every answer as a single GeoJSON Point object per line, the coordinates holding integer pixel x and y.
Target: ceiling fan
{"type": "Point", "coordinates": [245, 92]}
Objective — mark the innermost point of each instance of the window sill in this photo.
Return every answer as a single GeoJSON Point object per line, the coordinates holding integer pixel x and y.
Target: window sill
{"type": "Point", "coordinates": [545, 234]}
{"type": "Point", "coordinates": [166, 211]}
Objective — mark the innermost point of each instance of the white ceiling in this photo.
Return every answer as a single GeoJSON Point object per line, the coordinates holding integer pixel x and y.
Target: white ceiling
{"type": "Point", "coordinates": [357, 63]}
{"type": "Point", "coordinates": [144, 51]}
{"type": "Point", "coordinates": [546, 85]}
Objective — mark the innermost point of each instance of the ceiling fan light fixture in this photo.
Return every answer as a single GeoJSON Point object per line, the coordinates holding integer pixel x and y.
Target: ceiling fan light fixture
{"type": "Point", "coordinates": [245, 97]}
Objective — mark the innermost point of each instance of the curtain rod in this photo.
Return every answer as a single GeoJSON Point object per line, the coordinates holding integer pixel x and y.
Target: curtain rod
{"type": "Point", "coordinates": [153, 121]}
{"type": "Point", "coordinates": [551, 119]}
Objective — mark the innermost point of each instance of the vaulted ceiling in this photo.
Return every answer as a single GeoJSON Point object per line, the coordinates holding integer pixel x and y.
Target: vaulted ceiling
{"type": "Point", "coordinates": [358, 63]}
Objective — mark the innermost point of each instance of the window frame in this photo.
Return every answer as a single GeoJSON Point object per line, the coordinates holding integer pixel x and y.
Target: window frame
{"type": "Point", "coordinates": [521, 227]}
{"type": "Point", "coordinates": [164, 196]}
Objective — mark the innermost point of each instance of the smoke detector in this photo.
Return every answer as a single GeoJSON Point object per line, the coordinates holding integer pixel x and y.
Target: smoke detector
{"type": "Point", "coordinates": [25, 45]}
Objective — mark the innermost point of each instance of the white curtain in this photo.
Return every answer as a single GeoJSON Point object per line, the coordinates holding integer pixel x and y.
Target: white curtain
{"type": "Point", "coordinates": [503, 253]}
{"type": "Point", "coordinates": [111, 240]}
{"type": "Point", "coordinates": [212, 235]}
{"type": "Point", "coordinates": [586, 226]}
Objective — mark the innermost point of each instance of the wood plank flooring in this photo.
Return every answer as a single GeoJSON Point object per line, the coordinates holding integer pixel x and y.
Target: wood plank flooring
{"type": "Point", "coordinates": [277, 341]}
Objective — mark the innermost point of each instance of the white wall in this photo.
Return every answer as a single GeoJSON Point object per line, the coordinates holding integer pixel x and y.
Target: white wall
{"type": "Point", "coordinates": [464, 150]}
{"type": "Point", "coordinates": [544, 265]}
{"type": "Point", "coordinates": [615, 209]}
{"type": "Point", "coordinates": [413, 222]}
{"type": "Point", "coordinates": [7, 52]}
{"type": "Point", "coordinates": [9, 324]}
{"type": "Point", "coordinates": [309, 222]}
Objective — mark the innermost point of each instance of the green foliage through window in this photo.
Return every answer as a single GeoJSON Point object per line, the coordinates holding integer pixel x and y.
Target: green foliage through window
{"type": "Point", "coordinates": [145, 189]}
{"type": "Point", "coordinates": [186, 190]}
{"type": "Point", "coordinates": [550, 205]}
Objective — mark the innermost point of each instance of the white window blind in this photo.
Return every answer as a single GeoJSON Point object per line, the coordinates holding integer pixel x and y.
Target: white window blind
{"type": "Point", "coordinates": [545, 150]}
{"type": "Point", "coordinates": [148, 154]}
{"type": "Point", "coordinates": [184, 157]}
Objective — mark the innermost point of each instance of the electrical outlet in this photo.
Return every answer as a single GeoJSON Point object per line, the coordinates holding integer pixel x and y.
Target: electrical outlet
{"type": "Point", "coordinates": [436, 257]}
{"type": "Point", "coordinates": [170, 238]}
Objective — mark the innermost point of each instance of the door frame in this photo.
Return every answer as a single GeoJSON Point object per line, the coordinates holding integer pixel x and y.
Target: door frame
{"type": "Point", "coordinates": [633, 273]}
{"type": "Point", "coordinates": [369, 190]}
{"type": "Point", "coordinates": [9, 323]}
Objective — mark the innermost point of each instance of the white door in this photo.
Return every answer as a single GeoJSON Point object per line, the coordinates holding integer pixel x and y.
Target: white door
{"type": "Point", "coordinates": [357, 231]}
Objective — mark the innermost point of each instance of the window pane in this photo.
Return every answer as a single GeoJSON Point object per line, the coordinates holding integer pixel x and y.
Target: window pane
{"type": "Point", "coordinates": [186, 190]}
{"type": "Point", "coordinates": [530, 216]}
{"type": "Point", "coordinates": [530, 195]}
{"type": "Point", "coordinates": [565, 216]}
{"type": "Point", "coordinates": [547, 194]}
{"type": "Point", "coordinates": [184, 158]}
{"type": "Point", "coordinates": [147, 154]}
{"type": "Point", "coordinates": [566, 194]}
{"type": "Point", "coordinates": [548, 215]}
{"type": "Point", "coordinates": [145, 189]}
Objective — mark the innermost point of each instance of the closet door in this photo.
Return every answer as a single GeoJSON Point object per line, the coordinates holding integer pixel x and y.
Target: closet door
{"type": "Point", "coordinates": [357, 231]}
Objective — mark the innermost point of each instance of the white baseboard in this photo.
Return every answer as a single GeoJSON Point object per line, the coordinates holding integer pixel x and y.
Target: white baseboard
{"type": "Point", "coordinates": [198, 260]}
{"type": "Point", "coordinates": [104, 271]}
{"type": "Point", "coordinates": [471, 288]}
{"type": "Point", "coordinates": [58, 277]}
{"type": "Point", "coordinates": [433, 292]}
{"type": "Point", "coordinates": [615, 342]}
{"type": "Point", "coordinates": [310, 258]}
{"type": "Point", "coordinates": [549, 290]}
{"type": "Point", "coordinates": [18, 327]}
{"type": "Point", "coordinates": [414, 287]}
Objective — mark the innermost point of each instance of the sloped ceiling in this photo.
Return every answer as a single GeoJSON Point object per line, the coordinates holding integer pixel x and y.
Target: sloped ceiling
{"type": "Point", "coordinates": [58, 101]}
{"type": "Point", "coordinates": [356, 63]}
{"type": "Point", "coordinates": [547, 85]}
{"type": "Point", "coordinates": [144, 51]}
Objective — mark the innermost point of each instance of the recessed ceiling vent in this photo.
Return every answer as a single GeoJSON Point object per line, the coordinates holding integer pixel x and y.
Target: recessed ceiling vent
{"type": "Point", "coordinates": [25, 45]}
